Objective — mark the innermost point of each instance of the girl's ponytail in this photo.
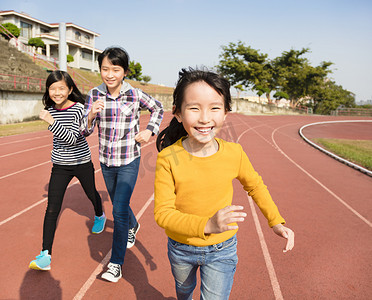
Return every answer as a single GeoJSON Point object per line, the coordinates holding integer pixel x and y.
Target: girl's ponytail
{"type": "Point", "coordinates": [170, 135]}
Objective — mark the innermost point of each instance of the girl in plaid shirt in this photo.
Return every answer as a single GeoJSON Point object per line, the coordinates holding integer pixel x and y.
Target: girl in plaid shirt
{"type": "Point", "coordinates": [115, 108]}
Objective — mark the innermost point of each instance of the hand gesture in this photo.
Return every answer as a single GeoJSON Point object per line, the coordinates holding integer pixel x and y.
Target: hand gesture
{"type": "Point", "coordinates": [219, 222]}
{"type": "Point", "coordinates": [96, 108]}
{"type": "Point", "coordinates": [143, 136]}
{"type": "Point", "coordinates": [286, 233]}
{"type": "Point", "coordinates": [46, 116]}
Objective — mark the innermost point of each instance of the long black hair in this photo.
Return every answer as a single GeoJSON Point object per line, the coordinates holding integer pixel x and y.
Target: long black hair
{"type": "Point", "coordinates": [56, 76]}
{"type": "Point", "coordinates": [175, 130]}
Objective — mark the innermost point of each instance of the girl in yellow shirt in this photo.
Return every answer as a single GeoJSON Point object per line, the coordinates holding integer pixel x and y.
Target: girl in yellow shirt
{"type": "Point", "coordinates": [193, 188]}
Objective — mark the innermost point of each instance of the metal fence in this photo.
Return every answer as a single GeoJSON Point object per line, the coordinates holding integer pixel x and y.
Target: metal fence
{"type": "Point", "coordinates": [363, 112]}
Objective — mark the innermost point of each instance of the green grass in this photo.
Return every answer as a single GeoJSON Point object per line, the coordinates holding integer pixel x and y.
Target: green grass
{"type": "Point", "coordinates": [356, 151]}
{"type": "Point", "coordinates": [24, 127]}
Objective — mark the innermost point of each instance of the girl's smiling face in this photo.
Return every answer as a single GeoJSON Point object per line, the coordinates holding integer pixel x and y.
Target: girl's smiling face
{"type": "Point", "coordinates": [112, 76]}
{"type": "Point", "coordinates": [202, 114]}
{"type": "Point", "coordinates": [59, 92]}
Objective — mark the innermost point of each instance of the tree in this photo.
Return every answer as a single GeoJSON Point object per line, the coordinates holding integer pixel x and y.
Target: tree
{"type": "Point", "coordinates": [9, 27]}
{"type": "Point", "coordinates": [36, 42]}
{"type": "Point", "coordinates": [245, 66]}
{"type": "Point", "coordinates": [296, 77]}
{"type": "Point", "coordinates": [329, 96]}
{"type": "Point", "coordinates": [135, 71]}
{"type": "Point", "coordinates": [146, 78]}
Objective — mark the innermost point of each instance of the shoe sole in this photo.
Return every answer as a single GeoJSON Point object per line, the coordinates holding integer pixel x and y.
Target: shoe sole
{"type": "Point", "coordinates": [103, 228]}
{"type": "Point", "coordinates": [110, 279]}
{"type": "Point", "coordinates": [34, 266]}
{"type": "Point", "coordinates": [130, 246]}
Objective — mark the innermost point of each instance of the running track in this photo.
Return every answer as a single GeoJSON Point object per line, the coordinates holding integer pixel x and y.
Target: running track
{"type": "Point", "coordinates": [326, 203]}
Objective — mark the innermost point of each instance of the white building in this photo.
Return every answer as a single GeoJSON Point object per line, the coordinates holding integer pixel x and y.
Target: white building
{"type": "Point", "coordinates": [80, 41]}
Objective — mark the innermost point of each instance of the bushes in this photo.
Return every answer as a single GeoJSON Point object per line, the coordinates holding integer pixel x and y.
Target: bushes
{"type": "Point", "coordinates": [37, 42]}
{"type": "Point", "coordinates": [13, 29]}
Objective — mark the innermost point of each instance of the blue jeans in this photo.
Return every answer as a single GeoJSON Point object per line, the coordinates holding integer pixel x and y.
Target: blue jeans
{"type": "Point", "coordinates": [120, 182]}
{"type": "Point", "coordinates": [217, 268]}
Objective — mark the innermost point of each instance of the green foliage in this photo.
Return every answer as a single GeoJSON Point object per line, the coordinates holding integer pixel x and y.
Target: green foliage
{"type": "Point", "coordinates": [37, 42]}
{"type": "Point", "coordinates": [70, 58]}
{"type": "Point", "coordinates": [288, 76]}
{"type": "Point", "coordinates": [146, 78]}
{"type": "Point", "coordinates": [135, 71]}
{"type": "Point", "coordinates": [13, 29]}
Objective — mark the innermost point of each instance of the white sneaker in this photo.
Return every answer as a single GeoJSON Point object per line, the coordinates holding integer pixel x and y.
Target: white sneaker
{"type": "Point", "coordinates": [113, 273]}
{"type": "Point", "coordinates": [132, 236]}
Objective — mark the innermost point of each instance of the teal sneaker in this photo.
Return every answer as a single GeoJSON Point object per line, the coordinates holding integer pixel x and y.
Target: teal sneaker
{"type": "Point", "coordinates": [99, 224]}
{"type": "Point", "coordinates": [42, 261]}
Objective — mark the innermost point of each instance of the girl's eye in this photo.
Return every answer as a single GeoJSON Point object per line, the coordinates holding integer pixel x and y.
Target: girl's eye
{"type": "Point", "coordinates": [216, 108]}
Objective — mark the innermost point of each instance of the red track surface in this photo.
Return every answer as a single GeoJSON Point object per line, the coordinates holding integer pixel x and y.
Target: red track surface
{"type": "Point", "coordinates": [326, 203]}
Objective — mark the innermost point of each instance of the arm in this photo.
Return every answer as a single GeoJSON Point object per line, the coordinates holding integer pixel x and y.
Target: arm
{"type": "Point", "coordinates": [156, 109]}
{"type": "Point", "coordinates": [68, 135]}
{"type": "Point", "coordinates": [91, 110]}
{"type": "Point", "coordinates": [254, 185]}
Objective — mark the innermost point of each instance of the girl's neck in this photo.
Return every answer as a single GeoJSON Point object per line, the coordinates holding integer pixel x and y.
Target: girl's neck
{"type": "Point", "coordinates": [199, 149]}
{"type": "Point", "coordinates": [64, 105]}
{"type": "Point", "coordinates": [115, 92]}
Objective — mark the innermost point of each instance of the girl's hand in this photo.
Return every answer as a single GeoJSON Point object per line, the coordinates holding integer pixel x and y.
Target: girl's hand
{"type": "Point", "coordinates": [97, 107]}
{"type": "Point", "coordinates": [46, 116]}
{"type": "Point", "coordinates": [143, 136]}
{"type": "Point", "coordinates": [286, 233]}
{"type": "Point", "coordinates": [227, 215]}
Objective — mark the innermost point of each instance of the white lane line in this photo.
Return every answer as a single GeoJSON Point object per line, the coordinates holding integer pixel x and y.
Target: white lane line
{"type": "Point", "coordinates": [36, 204]}
{"type": "Point", "coordinates": [35, 166]}
{"type": "Point", "coordinates": [23, 151]}
{"type": "Point", "coordinates": [269, 264]}
{"type": "Point", "coordinates": [25, 140]}
{"type": "Point", "coordinates": [26, 169]}
{"type": "Point", "coordinates": [105, 260]}
{"type": "Point", "coordinates": [317, 181]}
{"type": "Point", "coordinates": [265, 251]}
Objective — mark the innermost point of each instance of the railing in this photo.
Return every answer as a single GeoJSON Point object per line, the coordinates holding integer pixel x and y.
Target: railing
{"type": "Point", "coordinates": [365, 112]}
{"type": "Point", "coordinates": [19, 82]}
{"type": "Point", "coordinates": [23, 82]}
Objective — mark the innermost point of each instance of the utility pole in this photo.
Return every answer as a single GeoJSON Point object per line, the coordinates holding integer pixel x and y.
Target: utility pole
{"type": "Point", "coordinates": [62, 47]}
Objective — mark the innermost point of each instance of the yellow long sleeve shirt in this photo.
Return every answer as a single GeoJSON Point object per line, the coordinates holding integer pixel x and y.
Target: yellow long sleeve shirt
{"type": "Point", "coordinates": [189, 190]}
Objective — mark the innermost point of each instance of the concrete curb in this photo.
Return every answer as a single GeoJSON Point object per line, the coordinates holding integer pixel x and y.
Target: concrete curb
{"type": "Point", "coordinates": [348, 163]}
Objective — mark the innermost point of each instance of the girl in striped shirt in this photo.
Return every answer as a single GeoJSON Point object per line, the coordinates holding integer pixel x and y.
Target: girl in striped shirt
{"type": "Point", "coordinates": [64, 106]}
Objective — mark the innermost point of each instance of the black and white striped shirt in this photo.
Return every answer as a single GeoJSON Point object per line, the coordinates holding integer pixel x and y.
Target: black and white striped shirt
{"type": "Point", "coordinates": [69, 145]}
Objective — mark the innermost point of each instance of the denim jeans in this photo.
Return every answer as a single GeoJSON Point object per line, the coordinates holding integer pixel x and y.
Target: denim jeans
{"type": "Point", "coordinates": [120, 182]}
{"type": "Point", "coordinates": [217, 268]}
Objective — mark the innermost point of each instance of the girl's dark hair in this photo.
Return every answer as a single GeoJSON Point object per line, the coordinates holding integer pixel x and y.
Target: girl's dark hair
{"type": "Point", "coordinates": [175, 130]}
{"type": "Point", "coordinates": [117, 56]}
{"type": "Point", "coordinates": [56, 76]}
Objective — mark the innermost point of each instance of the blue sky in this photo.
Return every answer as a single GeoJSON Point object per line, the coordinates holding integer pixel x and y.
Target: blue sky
{"type": "Point", "coordinates": [167, 35]}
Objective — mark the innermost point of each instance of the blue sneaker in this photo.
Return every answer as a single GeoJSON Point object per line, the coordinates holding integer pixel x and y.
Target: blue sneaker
{"type": "Point", "coordinates": [42, 261]}
{"type": "Point", "coordinates": [99, 224]}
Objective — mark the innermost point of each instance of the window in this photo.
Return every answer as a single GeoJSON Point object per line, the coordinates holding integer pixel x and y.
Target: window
{"type": "Point", "coordinates": [87, 39]}
{"type": "Point", "coordinates": [86, 55]}
{"type": "Point", "coordinates": [26, 30]}
{"type": "Point", "coordinates": [77, 36]}
{"type": "Point", "coordinates": [43, 30]}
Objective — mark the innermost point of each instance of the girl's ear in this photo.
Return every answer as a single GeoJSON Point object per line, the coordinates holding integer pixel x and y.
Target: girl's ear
{"type": "Point", "coordinates": [177, 114]}
{"type": "Point", "coordinates": [70, 91]}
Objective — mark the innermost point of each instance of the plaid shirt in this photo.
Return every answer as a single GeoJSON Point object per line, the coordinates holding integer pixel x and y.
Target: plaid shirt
{"type": "Point", "coordinates": [118, 122]}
